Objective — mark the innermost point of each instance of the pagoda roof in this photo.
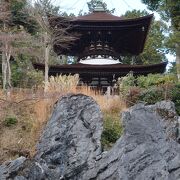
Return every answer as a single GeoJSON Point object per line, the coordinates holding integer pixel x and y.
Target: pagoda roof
{"type": "Point", "coordinates": [101, 33]}
{"type": "Point", "coordinates": [87, 70]}
{"type": "Point", "coordinates": [98, 16]}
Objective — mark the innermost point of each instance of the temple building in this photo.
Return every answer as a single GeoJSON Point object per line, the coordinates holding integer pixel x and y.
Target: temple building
{"type": "Point", "coordinates": [104, 39]}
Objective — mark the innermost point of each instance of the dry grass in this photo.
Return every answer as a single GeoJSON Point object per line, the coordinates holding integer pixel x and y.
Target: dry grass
{"type": "Point", "coordinates": [110, 104]}
{"type": "Point", "coordinates": [32, 108]}
{"type": "Point", "coordinates": [65, 83]}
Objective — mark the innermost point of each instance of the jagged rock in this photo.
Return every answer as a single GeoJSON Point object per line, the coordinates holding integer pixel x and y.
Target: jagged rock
{"type": "Point", "coordinates": [70, 145]}
{"type": "Point", "coordinates": [10, 168]}
{"type": "Point", "coordinates": [144, 152]}
{"type": "Point", "coordinates": [70, 142]}
{"type": "Point", "coordinates": [166, 109]}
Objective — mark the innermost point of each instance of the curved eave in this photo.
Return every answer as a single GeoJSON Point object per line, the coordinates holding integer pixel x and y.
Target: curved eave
{"type": "Point", "coordinates": [97, 16]}
{"type": "Point", "coordinates": [103, 70]}
{"type": "Point", "coordinates": [103, 18]}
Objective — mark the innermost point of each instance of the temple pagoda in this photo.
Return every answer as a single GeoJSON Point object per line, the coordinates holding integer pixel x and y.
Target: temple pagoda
{"type": "Point", "coordinates": [104, 36]}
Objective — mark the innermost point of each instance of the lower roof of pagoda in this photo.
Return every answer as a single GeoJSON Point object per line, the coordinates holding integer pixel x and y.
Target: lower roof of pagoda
{"type": "Point", "coordinates": [87, 70]}
{"type": "Point", "coordinates": [104, 35]}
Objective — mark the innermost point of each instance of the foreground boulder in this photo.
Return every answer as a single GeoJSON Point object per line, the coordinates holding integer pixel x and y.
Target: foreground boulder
{"type": "Point", "coordinates": [70, 145]}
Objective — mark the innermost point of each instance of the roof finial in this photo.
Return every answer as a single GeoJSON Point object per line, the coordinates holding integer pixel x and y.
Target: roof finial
{"type": "Point", "coordinates": [99, 6]}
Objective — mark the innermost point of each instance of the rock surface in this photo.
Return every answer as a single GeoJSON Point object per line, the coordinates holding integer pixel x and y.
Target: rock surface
{"type": "Point", "coordinates": [70, 142]}
{"type": "Point", "coordinates": [10, 169]}
{"type": "Point", "coordinates": [70, 147]}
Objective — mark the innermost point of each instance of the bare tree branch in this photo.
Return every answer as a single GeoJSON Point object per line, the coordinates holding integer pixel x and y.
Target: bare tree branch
{"type": "Point", "coordinates": [50, 34]}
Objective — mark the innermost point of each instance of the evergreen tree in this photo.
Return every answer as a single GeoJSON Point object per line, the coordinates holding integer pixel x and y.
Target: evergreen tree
{"type": "Point", "coordinates": [21, 16]}
{"type": "Point", "coordinates": [9, 35]}
{"type": "Point", "coordinates": [154, 50]}
{"type": "Point", "coordinates": [169, 10]}
{"type": "Point", "coordinates": [93, 3]}
{"type": "Point", "coordinates": [46, 7]}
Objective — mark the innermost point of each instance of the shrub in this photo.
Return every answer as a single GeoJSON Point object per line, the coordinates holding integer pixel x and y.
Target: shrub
{"type": "Point", "coordinates": [26, 78]}
{"type": "Point", "coordinates": [155, 80]}
{"type": "Point", "coordinates": [23, 73]}
{"type": "Point", "coordinates": [175, 93]}
{"type": "Point", "coordinates": [150, 89]}
{"type": "Point", "coordinates": [132, 95]}
{"type": "Point", "coordinates": [10, 121]}
{"type": "Point", "coordinates": [112, 131]}
{"type": "Point", "coordinates": [34, 78]}
{"type": "Point", "coordinates": [126, 82]}
{"type": "Point", "coordinates": [152, 95]}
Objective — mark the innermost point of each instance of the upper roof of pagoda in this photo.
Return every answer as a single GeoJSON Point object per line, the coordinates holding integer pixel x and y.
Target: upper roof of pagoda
{"type": "Point", "coordinates": [100, 16]}
{"type": "Point", "coordinates": [101, 33]}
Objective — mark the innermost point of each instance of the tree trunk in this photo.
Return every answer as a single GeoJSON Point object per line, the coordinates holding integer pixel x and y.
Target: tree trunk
{"type": "Point", "coordinates": [7, 75]}
{"type": "Point", "coordinates": [47, 51]}
{"type": "Point", "coordinates": [4, 71]}
{"type": "Point", "coordinates": [178, 61]}
{"type": "Point", "coordinates": [8, 71]}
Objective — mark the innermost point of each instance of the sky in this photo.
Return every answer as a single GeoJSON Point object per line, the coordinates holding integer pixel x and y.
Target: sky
{"type": "Point", "coordinates": [121, 6]}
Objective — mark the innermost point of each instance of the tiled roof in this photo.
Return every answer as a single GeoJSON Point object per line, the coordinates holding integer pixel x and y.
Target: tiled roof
{"type": "Point", "coordinates": [98, 16]}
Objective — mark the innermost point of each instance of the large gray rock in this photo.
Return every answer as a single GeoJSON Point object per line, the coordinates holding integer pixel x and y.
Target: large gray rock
{"type": "Point", "coordinates": [10, 168]}
{"type": "Point", "coordinates": [70, 145]}
{"type": "Point", "coordinates": [144, 152]}
{"type": "Point", "coordinates": [70, 142]}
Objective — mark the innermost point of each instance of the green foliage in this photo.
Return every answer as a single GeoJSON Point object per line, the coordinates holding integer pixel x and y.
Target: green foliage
{"type": "Point", "coordinates": [172, 41]}
{"type": "Point", "coordinates": [150, 89]}
{"type": "Point", "coordinates": [167, 9]}
{"type": "Point", "coordinates": [71, 15]}
{"type": "Point", "coordinates": [126, 82]}
{"type": "Point", "coordinates": [46, 6]}
{"type": "Point", "coordinates": [91, 6]}
{"type": "Point", "coordinates": [24, 75]}
{"type": "Point", "coordinates": [153, 4]}
{"type": "Point", "coordinates": [20, 16]}
{"type": "Point", "coordinates": [93, 3]}
{"type": "Point", "coordinates": [155, 80]}
{"type": "Point", "coordinates": [154, 50]}
{"type": "Point", "coordinates": [112, 130]}
{"type": "Point", "coordinates": [172, 68]}
{"type": "Point", "coordinates": [152, 95]}
{"type": "Point", "coordinates": [34, 78]}
{"type": "Point", "coordinates": [10, 121]}
{"type": "Point", "coordinates": [135, 13]}
{"type": "Point", "coordinates": [128, 89]}
{"type": "Point", "coordinates": [175, 93]}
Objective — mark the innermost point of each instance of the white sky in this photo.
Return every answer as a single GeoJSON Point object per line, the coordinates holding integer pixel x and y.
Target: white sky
{"type": "Point", "coordinates": [121, 6]}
